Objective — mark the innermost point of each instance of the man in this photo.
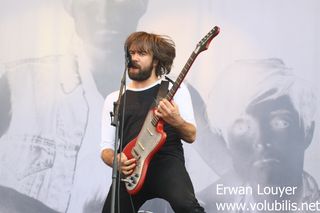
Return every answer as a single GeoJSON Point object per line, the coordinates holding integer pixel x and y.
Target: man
{"type": "Point", "coordinates": [269, 125]}
{"type": "Point", "coordinates": [151, 58]}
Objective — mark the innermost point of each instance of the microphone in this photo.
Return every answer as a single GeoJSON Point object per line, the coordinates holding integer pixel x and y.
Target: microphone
{"type": "Point", "coordinates": [128, 59]}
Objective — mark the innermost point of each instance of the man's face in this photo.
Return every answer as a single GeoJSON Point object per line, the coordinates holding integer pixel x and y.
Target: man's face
{"type": "Point", "coordinates": [106, 23]}
{"type": "Point", "coordinates": [142, 65]}
{"type": "Point", "coordinates": [267, 144]}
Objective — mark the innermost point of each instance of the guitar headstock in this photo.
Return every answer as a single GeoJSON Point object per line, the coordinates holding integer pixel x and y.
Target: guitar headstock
{"type": "Point", "coordinates": [205, 41]}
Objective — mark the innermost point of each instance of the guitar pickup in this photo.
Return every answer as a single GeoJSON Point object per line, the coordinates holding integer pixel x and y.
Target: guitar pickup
{"type": "Point", "coordinates": [150, 132]}
{"type": "Point", "coordinates": [140, 145]}
{"type": "Point", "coordinates": [136, 154]}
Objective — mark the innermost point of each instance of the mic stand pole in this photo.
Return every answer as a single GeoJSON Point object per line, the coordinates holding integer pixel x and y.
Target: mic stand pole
{"type": "Point", "coordinates": [115, 122]}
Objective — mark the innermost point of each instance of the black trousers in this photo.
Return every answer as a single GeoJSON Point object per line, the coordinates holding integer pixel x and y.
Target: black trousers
{"type": "Point", "coordinates": [168, 179]}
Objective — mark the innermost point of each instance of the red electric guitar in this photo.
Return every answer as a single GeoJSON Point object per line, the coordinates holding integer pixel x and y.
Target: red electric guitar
{"type": "Point", "coordinates": [152, 137]}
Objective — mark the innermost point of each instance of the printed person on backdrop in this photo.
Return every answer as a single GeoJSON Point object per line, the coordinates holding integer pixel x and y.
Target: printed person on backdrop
{"type": "Point", "coordinates": [7, 204]}
{"type": "Point", "coordinates": [152, 57]}
{"type": "Point", "coordinates": [101, 28]}
{"type": "Point", "coordinates": [269, 124]}
{"type": "Point", "coordinates": [49, 110]}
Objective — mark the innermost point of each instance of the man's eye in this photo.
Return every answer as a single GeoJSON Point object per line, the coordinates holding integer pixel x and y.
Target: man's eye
{"type": "Point", "coordinates": [142, 53]}
{"type": "Point", "coordinates": [279, 123]}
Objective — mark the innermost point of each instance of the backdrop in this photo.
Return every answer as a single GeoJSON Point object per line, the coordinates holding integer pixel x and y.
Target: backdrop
{"type": "Point", "coordinates": [59, 60]}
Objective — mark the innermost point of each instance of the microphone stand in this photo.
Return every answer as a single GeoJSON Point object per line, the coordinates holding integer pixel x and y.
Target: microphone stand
{"type": "Point", "coordinates": [115, 122]}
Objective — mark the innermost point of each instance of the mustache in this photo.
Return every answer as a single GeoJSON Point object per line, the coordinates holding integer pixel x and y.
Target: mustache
{"type": "Point", "coordinates": [135, 65]}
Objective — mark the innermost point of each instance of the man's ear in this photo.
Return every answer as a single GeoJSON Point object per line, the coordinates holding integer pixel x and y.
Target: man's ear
{"type": "Point", "coordinates": [309, 134]}
{"type": "Point", "coordinates": [155, 62]}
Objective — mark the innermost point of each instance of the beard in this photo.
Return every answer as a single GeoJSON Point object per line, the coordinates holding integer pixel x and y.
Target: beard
{"type": "Point", "coordinates": [142, 75]}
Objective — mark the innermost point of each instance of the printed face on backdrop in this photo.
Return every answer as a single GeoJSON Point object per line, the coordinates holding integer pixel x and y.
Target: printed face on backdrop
{"type": "Point", "coordinates": [106, 23]}
{"type": "Point", "coordinates": [268, 143]}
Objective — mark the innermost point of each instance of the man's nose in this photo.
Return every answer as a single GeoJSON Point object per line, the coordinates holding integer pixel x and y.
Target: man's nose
{"type": "Point", "coordinates": [134, 56]}
{"type": "Point", "coordinates": [105, 11]}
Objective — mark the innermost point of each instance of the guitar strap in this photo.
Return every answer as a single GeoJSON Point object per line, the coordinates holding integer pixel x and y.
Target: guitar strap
{"type": "Point", "coordinates": [163, 90]}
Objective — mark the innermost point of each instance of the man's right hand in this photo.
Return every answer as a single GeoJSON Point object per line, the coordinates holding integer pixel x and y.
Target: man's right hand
{"type": "Point", "coordinates": [126, 166]}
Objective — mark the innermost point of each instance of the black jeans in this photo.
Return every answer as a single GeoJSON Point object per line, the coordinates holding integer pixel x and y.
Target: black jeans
{"type": "Point", "coordinates": [168, 179]}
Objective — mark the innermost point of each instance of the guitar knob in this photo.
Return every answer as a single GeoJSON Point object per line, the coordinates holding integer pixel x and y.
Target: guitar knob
{"type": "Point", "coordinates": [133, 179]}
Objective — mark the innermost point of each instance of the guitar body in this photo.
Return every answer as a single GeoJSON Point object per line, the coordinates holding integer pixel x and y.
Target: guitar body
{"type": "Point", "coordinates": [143, 148]}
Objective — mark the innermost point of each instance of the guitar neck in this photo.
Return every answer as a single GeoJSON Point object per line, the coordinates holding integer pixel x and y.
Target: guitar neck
{"type": "Point", "coordinates": [177, 83]}
{"type": "Point", "coordinates": [181, 76]}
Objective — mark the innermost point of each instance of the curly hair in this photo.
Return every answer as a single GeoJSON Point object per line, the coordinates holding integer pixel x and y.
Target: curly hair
{"type": "Point", "coordinates": [160, 46]}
